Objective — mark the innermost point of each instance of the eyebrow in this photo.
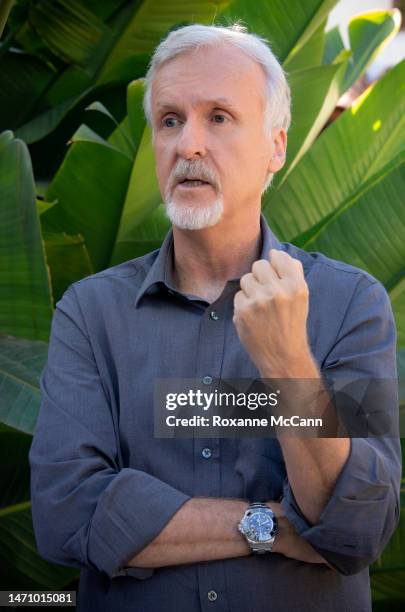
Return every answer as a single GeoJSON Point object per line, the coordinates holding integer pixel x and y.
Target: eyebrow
{"type": "Point", "coordinates": [217, 102]}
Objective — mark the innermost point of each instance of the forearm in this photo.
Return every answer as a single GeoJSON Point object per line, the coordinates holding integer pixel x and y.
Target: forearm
{"type": "Point", "coordinates": [313, 464]}
{"type": "Point", "coordinates": [206, 529]}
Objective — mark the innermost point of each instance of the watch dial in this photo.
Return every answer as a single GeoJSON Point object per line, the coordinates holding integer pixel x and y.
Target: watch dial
{"type": "Point", "coordinates": [261, 526]}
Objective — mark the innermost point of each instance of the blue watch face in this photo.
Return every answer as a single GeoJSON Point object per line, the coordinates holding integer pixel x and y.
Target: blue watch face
{"type": "Point", "coordinates": [261, 526]}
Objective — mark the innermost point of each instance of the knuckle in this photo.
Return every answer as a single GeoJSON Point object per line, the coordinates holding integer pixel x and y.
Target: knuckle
{"type": "Point", "coordinates": [240, 303]}
{"type": "Point", "coordinates": [281, 296]}
{"type": "Point", "coordinates": [259, 265]}
{"type": "Point", "coordinates": [246, 278]}
{"type": "Point", "coordinates": [300, 290]}
{"type": "Point", "coordinates": [261, 301]}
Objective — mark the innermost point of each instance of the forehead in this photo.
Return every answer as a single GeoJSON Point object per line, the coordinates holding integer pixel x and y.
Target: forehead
{"type": "Point", "coordinates": [220, 72]}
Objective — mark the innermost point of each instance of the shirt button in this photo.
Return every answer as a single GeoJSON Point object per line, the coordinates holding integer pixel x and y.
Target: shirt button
{"type": "Point", "coordinates": [212, 595]}
{"type": "Point", "coordinates": [206, 453]}
{"type": "Point", "coordinates": [207, 380]}
{"type": "Point", "coordinates": [214, 315]}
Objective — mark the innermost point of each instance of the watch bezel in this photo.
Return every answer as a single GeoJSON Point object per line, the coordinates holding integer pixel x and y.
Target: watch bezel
{"type": "Point", "coordinates": [248, 533]}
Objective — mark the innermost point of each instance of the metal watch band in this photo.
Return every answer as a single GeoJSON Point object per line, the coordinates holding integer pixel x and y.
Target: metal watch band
{"type": "Point", "coordinates": [263, 547]}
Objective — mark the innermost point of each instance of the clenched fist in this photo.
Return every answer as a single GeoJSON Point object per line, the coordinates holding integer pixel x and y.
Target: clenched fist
{"type": "Point", "coordinates": [270, 315]}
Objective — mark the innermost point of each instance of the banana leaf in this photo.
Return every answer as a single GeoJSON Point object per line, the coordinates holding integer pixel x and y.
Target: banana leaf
{"type": "Point", "coordinates": [21, 363]}
{"type": "Point", "coordinates": [21, 567]}
{"type": "Point", "coordinates": [25, 298]}
{"type": "Point", "coordinates": [369, 34]}
{"type": "Point", "coordinates": [311, 53]}
{"type": "Point", "coordinates": [344, 157]}
{"type": "Point", "coordinates": [90, 188]}
{"type": "Point", "coordinates": [288, 26]}
{"type": "Point", "coordinates": [334, 46]}
{"type": "Point", "coordinates": [369, 232]}
{"type": "Point", "coordinates": [69, 260]}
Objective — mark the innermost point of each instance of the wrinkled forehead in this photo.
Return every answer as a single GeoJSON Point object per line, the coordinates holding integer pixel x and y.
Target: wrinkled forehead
{"type": "Point", "coordinates": [209, 72]}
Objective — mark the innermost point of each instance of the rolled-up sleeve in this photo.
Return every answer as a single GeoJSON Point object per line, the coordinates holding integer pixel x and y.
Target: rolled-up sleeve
{"type": "Point", "coordinates": [86, 510]}
{"type": "Point", "coordinates": [363, 510]}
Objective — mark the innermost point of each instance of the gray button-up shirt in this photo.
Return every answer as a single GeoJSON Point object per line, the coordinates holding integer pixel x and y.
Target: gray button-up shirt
{"type": "Point", "coordinates": [103, 486]}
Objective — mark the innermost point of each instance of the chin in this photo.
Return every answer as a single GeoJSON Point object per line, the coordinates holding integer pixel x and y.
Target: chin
{"type": "Point", "coordinates": [194, 217]}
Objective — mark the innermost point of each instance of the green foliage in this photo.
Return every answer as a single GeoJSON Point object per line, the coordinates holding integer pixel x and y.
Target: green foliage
{"type": "Point", "coordinates": [98, 201]}
{"type": "Point", "coordinates": [25, 301]}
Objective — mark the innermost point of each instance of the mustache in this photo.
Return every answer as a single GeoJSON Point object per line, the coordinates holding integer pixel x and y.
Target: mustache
{"type": "Point", "coordinates": [193, 169]}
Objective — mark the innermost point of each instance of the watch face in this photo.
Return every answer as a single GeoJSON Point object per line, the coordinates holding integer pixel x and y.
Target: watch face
{"type": "Point", "coordinates": [261, 526]}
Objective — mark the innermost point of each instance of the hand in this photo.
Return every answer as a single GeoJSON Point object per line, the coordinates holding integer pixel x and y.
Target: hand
{"type": "Point", "coordinates": [270, 315]}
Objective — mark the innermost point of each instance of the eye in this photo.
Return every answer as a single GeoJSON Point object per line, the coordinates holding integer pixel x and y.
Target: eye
{"type": "Point", "coordinates": [169, 122]}
{"type": "Point", "coordinates": [218, 118]}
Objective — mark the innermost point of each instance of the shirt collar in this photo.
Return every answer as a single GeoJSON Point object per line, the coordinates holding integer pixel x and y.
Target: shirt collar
{"type": "Point", "coordinates": [160, 274]}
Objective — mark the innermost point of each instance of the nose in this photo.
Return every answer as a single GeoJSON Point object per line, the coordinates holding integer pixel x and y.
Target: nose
{"type": "Point", "coordinates": [191, 140]}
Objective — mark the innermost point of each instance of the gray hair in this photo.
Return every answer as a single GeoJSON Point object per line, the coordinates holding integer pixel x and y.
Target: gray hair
{"type": "Point", "coordinates": [190, 37]}
{"type": "Point", "coordinates": [277, 111]}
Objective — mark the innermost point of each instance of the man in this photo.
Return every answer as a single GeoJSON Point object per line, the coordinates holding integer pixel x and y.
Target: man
{"type": "Point", "coordinates": [152, 522]}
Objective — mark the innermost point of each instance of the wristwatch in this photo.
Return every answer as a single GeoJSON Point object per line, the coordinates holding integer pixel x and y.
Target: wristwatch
{"type": "Point", "coordinates": [259, 526]}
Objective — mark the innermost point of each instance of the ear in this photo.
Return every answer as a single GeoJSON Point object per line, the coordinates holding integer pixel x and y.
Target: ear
{"type": "Point", "coordinates": [279, 149]}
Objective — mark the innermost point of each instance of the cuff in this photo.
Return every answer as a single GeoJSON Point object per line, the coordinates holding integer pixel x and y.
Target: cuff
{"type": "Point", "coordinates": [354, 519]}
{"type": "Point", "coordinates": [130, 514]}
{"type": "Point", "coordinates": [141, 573]}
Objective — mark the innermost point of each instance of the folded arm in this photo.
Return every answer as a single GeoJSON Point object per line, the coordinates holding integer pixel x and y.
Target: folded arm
{"type": "Point", "coordinates": [205, 529]}
{"type": "Point", "coordinates": [361, 512]}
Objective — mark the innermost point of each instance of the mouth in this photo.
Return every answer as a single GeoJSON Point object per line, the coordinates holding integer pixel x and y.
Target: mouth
{"type": "Point", "coordinates": [187, 183]}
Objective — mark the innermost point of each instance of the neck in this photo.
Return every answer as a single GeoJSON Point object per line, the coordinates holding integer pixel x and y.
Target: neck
{"type": "Point", "coordinates": [205, 259]}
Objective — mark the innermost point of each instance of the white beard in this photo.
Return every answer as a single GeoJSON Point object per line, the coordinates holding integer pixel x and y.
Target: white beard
{"type": "Point", "coordinates": [194, 217]}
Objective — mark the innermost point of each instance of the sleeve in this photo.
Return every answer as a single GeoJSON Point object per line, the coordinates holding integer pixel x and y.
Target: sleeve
{"type": "Point", "coordinates": [363, 510]}
{"type": "Point", "coordinates": [86, 511]}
